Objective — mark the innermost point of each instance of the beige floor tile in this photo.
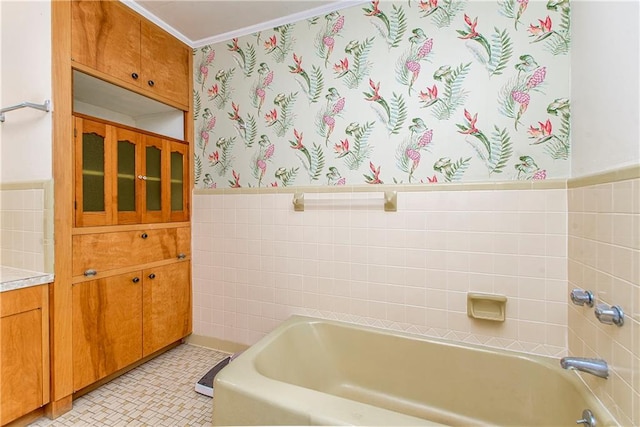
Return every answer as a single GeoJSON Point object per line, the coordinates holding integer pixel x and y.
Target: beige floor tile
{"type": "Point", "coordinates": [158, 393]}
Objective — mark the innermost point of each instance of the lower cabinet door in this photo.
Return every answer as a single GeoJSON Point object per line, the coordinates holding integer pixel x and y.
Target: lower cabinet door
{"type": "Point", "coordinates": [167, 305]}
{"type": "Point", "coordinates": [21, 357]}
{"type": "Point", "coordinates": [107, 326]}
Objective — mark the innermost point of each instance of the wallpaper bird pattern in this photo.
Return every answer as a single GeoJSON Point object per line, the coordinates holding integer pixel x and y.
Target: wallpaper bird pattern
{"type": "Point", "coordinates": [389, 92]}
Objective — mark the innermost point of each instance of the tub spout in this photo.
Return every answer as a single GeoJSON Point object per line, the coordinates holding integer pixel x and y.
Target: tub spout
{"type": "Point", "coordinates": [597, 367]}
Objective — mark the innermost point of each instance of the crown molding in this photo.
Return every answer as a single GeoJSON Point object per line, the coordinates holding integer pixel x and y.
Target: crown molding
{"type": "Point", "coordinates": [288, 19]}
{"type": "Point", "coordinates": [159, 22]}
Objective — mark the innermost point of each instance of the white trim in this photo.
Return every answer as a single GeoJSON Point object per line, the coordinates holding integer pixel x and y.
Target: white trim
{"type": "Point", "coordinates": [288, 19]}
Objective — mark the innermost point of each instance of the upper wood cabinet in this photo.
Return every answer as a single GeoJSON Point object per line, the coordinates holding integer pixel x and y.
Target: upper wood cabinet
{"type": "Point", "coordinates": [110, 38]}
{"type": "Point", "coordinates": [126, 176]}
{"type": "Point", "coordinates": [165, 63]}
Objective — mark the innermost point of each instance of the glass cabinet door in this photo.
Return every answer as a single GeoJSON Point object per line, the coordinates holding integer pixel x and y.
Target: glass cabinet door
{"type": "Point", "coordinates": [179, 181]}
{"type": "Point", "coordinates": [153, 177]}
{"type": "Point", "coordinates": [126, 176]}
{"type": "Point", "coordinates": [127, 187]}
{"type": "Point", "coordinates": [92, 175]}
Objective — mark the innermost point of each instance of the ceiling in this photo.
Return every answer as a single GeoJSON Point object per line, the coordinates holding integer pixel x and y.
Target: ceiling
{"type": "Point", "coordinates": [200, 22]}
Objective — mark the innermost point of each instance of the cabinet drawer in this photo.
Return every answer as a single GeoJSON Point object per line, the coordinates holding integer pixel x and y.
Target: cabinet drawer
{"type": "Point", "coordinates": [108, 251]}
{"type": "Point", "coordinates": [21, 300]}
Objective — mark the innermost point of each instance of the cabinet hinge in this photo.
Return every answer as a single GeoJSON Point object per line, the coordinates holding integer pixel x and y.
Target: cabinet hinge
{"type": "Point", "coordinates": [75, 205]}
{"type": "Point", "coordinates": [75, 132]}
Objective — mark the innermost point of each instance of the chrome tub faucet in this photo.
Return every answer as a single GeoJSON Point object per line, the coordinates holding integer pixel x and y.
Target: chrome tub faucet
{"type": "Point", "coordinates": [597, 367]}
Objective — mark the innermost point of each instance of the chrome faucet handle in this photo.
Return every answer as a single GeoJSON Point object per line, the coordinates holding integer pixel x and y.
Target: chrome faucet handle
{"type": "Point", "coordinates": [582, 297]}
{"type": "Point", "coordinates": [610, 315]}
{"type": "Point", "coordinates": [587, 419]}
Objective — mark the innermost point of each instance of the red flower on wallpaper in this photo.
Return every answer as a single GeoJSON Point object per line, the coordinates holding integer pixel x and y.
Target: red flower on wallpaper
{"type": "Point", "coordinates": [542, 28]}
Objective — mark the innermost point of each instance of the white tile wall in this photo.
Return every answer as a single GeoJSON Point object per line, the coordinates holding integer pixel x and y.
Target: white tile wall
{"type": "Point", "coordinates": [604, 257]}
{"type": "Point", "coordinates": [256, 261]}
{"type": "Point", "coordinates": [23, 229]}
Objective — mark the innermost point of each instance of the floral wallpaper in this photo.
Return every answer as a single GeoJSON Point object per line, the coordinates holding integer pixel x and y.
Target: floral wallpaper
{"type": "Point", "coordinates": [389, 92]}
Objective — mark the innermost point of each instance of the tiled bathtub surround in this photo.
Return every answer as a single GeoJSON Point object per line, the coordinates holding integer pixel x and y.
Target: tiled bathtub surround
{"type": "Point", "coordinates": [25, 230]}
{"type": "Point", "coordinates": [256, 261]}
{"type": "Point", "coordinates": [604, 256]}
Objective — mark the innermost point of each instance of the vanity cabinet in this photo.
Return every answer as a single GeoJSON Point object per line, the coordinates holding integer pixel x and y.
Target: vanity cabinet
{"type": "Point", "coordinates": [120, 319]}
{"type": "Point", "coordinates": [127, 176]}
{"type": "Point", "coordinates": [24, 351]}
{"type": "Point", "coordinates": [110, 38]}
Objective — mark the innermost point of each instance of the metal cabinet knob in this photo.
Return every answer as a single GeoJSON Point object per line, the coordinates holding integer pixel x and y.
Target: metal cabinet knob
{"type": "Point", "coordinates": [144, 235]}
{"type": "Point", "coordinates": [134, 76]}
{"type": "Point", "coordinates": [90, 273]}
{"type": "Point", "coordinates": [142, 177]}
{"type": "Point", "coordinates": [152, 276]}
{"type": "Point", "coordinates": [151, 83]}
{"type": "Point", "coordinates": [135, 279]}
{"type": "Point", "coordinates": [182, 255]}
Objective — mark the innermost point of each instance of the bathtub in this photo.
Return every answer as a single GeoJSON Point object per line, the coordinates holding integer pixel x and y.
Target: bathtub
{"type": "Point", "coordinates": [319, 372]}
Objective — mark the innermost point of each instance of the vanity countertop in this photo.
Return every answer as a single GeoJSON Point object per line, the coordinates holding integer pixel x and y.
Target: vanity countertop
{"type": "Point", "coordinates": [16, 278]}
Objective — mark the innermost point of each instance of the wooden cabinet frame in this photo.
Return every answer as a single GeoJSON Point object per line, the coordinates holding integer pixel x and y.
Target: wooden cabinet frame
{"type": "Point", "coordinates": [113, 134]}
{"type": "Point", "coordinates": [61, 299]}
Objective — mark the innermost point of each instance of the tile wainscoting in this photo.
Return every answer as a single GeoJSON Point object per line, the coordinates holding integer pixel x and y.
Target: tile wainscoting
{"type": "Point", "coordinates": [256, 262]}
{"type": "Point", "coordinates": [26, 225]}
{"type": "Point", "coordinates": [604, 257]}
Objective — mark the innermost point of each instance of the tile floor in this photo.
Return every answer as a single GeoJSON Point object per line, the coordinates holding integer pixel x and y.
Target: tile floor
{"type": "Point", "coordinates": [158, 393]}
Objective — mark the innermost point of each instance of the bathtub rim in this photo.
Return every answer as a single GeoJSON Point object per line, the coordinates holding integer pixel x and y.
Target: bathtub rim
{"type": "Point", "coordinates": [251, 372]}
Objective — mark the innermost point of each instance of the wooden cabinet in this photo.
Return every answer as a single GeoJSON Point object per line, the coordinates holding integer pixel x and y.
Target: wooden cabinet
{"type": "Point", "coordinates": [110, 38]}
{"type": "Point", "coordinates": [177, 186]}
{"type": "Point", "coordinates": [104, 204]}
{"type": "Point", "coordinates": [102, 253]}
{"type": "Point", "coordinates": [107, 327]}
{"type": "Point", "coordinates": [24, 351]}
{"type": "Point", "coordinates": [164, 63]}
{"type": "Point", "coordinates": [127, 176]}
{"type": "Point", "coordinates": [166, 306]}
{"type": "Point", "coordinates": [130, 247]}
{"type": "Point", "coordinates": [120, 319]}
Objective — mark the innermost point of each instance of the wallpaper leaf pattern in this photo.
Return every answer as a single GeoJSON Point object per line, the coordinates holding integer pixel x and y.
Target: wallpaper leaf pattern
{"type": "Point", "coordinates": [414, 91]}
